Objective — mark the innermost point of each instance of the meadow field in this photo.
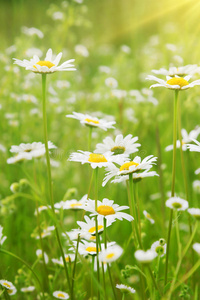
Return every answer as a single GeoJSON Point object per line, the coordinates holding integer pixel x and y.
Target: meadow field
{"type": "Point", "coordinates": [99, 147]}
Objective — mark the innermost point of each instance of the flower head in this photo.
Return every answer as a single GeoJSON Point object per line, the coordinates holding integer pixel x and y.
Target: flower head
{"type": "Point", "coordinates": [121, 145]}
{"type": "Point", "coordinates": [110, 254]}
{"type": "Point", "coordinates": [145, 257]}
{"type": "Point", "coordinates": [94, 159]}
{"type": "Point", "coordinates": [27, 289]}
{"type": "Point", "coordinates": [180, 71]}
{"type": "Point", "coordinates": [134, 167]}
{"type": "Point", "coordinates": [89, 226]}
{"type": "Point", "coordinates": [174, 83]}
{"type": "Point", "coordinates": [46, 66]}
{"type": "Point", "coordinates": [148, 216]}
{"type": "Point", "coordinates": [108, 210]}
{"type": "Point", "coordinates": [60, 295]}
{"type": "Point", "coordinates": [195, 212]}
{"type": "Point", "coordinates": [177, 203]}
{"type": "Point", "coordinates": [72, 204]}
{"type": "Point", "coordinates": [125, 289]}
{"type": "Point", "coordinates": [91, 121]}
{"type": "Point", "coordinates": [186, 138]}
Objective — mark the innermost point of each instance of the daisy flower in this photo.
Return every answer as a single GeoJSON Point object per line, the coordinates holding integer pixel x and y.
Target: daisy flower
{"type": "Point", "coordinates": [68, 258]}
{"type": "Point", "coordinates": [195, 212]}
{"type": "Point", "coordinates": [110, 254]}
{"type": "Point", "coordinates": [130, 167]}
{"type": "Point", "coordinates": [159, 248]}
{"type": "Point", "coordinates": [177, 203]}
{"type": "Point", "coordinates": [7, 284]}
{"type": "Point", "coordinates": [194, 148]}
{"type": "Point", "coordinates": [186, 138]}
{"type": "Point", "coordinates": [148, 216]}
{"type": "Point", "coordinates": [91, 121]}
{"type": "Point", "coordinates": [121, 145]}
{"type": "Point", "coordinates": [94, 159]}
{"type": "Point", "coordinates": [108, 209]}
{"type": "Point", "coordinates": [125, 289]}
{"type": "Point", "coordinates": [27, 289]}
{"type": "Point", "coordinates": [180, 71]}
{"type": "Point", "coordinates": [2, 238]}
{"type": "Point", "coordinates": [89, 226]}
{"type": "Point", "coordinates": [111, 82]}
{"type": "Point", "coordinates": [174, 83]}
{"type": "Point", "coordinates": [86, 248]}
{"type": "Point", "coordinates": [72, 204]}
{"type": "Point", "coordinates": [145, 257]}
{"type": "Point", "coordinates": [41, 208]}
{"type": "Point", "coordinates": [60, 295]}
{"type": "Point", "coordinates": [48, 65]}
{"type": "Point", "coordinates": [196, 247]}
{"type": "Point", "coordinates": [35, 150]}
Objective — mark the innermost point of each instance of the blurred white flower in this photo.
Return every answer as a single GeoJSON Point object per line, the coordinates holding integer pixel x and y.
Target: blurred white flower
{"type": "Point", "coordinates": [148, 217]}
{"type": "Point", "coordinates": [60, 295]}
{"type": "Point", "coordinates": [145, 257]}
{"type": "Point", "coordinates": [196, 247]}
{"type": "Point", "coordinates": [91, 121]}
{"type": "Point", "coordinates": [110, 254]}
{"type": "Point", "coordinates": [195, 212]}
{"type": "Point", "coordinates": [32, 31]}
{"type": "Point", "coordinates": [27, 289]}
{"type": "Point", "coordinates": [180, 71]}
{"type": "Point", "coordinates": [177, 203]}
{"type": "Point", "coordinates": [81, 50]}
{"type": "Point", "coordinates": [125, 289]}
{"type": "Point", "coordinates": [2, 238]}
{"type": "Point", "coordinates": [159, 248]}
{"type": "Point", "coordinates": [58, 15]}
{"type": "Point", "coordinates": [186, 138]}
{"type": "Point", "coordinates": [40, 253]}
{"type": "Point", "coordinates": [111, 82]}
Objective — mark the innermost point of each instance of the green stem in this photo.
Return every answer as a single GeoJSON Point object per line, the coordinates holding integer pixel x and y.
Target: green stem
{"type": "Point", "coordinates": [173, 179]}
{"type": "Point", "coordinates": [149, 284]}
{"type": "Point", "coordinates": [113, 287]}
{"type": "Point", "coordinates": [176, 99]}
{"type": "Point", "coordinates": [153, 279]}
{"type": "Point", "coordinates": [92, 274]}
{"type": "Point", "coordinates": [168, 242]}
{"type": "Point", "coordinates": [132, 213]}
{"type": "Point", "coordinates": [177, 234]}
{"type": "Point", "coordinates": [186, 276]}
{"type": "Point", "coordinates": [97, 232]}
{"type": "Point", "coordinates": [181, 259]}
{"type": "Point", "coordinates": [25, 263]}
{"type": "Point", "coordinates": [75, 262]}
{"type": "Point", "coordinates": [90, 138]}
{"type": "Point", "coordinates": [133, 200]}
{"type": "Point", "coordinates": [50, 179]}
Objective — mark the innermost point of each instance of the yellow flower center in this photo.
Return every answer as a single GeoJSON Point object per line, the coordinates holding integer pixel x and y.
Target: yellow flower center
{"type": "Point", "coordinates": [9, 291]}
{"type": "Point", "coordinates": [75, 205]}
{"type": "Point", "coordinates": [91, 249]}
{"type": "Point", "coordinates": [61, 295]}
{"type": "Point", "coordinates": [110, 255]}
{"type": "Point", "coordinates": [93, 229]}
{"type": "Point", "coordinates": [6, 285]}
{"type": "Point", "coordinates": [105, 210]}
{"type": "Point", "coordinates": [127, 165]}
{"type": "Point", "coordinates": [44, 63]}
{"type": "Point", "coordinates": [148, 216]}
{"type": "Point", "coordinates": [91, 121]}
{"type": "Point", "coordinates": [67, 258]}
{"type": "Point", "coordinates": [97, 158]}
{"type": "Point", "coordinates": [118, 150]}
{"type": "Point", "coordinates": [176, 205]}
{"type": "Point", "coordinates": [178, 81]}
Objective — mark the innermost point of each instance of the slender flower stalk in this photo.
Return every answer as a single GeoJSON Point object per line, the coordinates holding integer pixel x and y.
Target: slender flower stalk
{"type": "Point", "coordinates": [50, 178]}
{"type": "Point", "coordinates": [176, 99]}
{"type": "Point", "coordinates": [89, 138]}
{"type": "Point", "coordinates": [96, 220]}
{"type": "Point", "coordinates": [178, 234]}
{"type": "Point", "coordinates": [134, 205]}
{"type": "Point", "coordinates": [74, 269]}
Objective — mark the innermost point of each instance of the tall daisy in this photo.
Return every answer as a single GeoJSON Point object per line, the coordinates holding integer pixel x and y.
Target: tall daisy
{"type": "Point", "coordinates": [46, 66]}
